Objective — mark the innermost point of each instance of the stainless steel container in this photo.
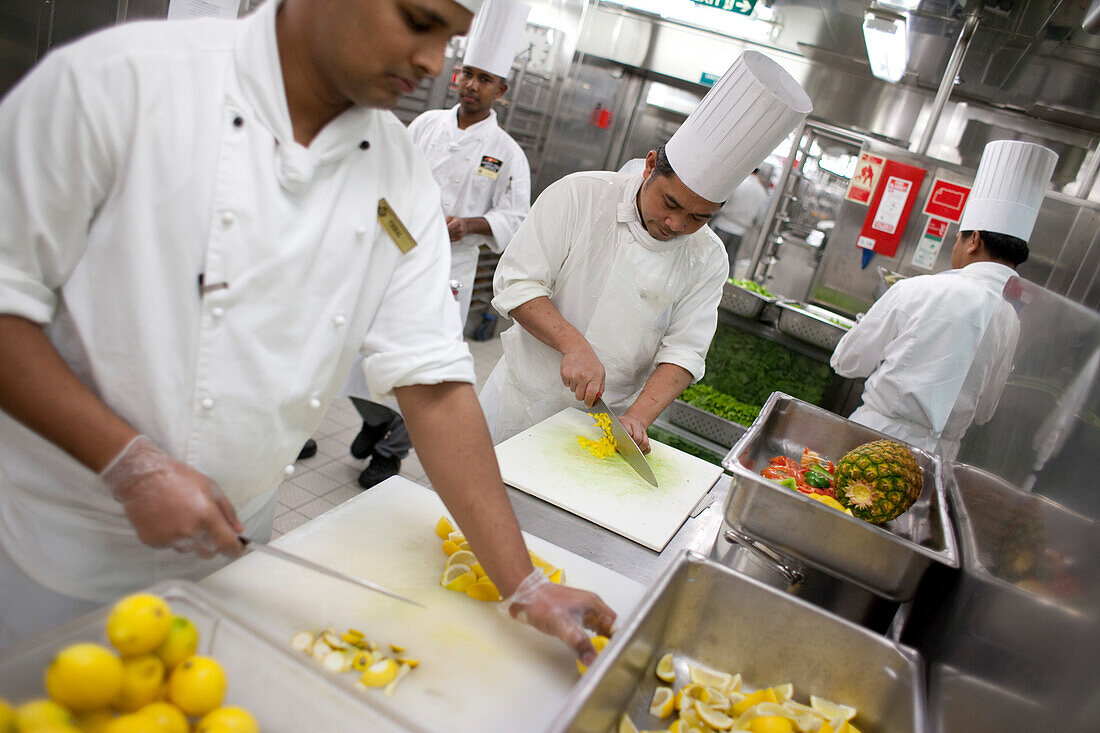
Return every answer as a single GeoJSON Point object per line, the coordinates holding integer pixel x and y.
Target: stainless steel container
{"type": "Point", "coordinates": [705, 424]}
{"type": "Point", "coordinates": [888, 560]}
{"type": "Point", "coordinates": [707, 614]}
{"type": "Point", "coordinates": [803, 323]}
{"type": "Point", "coordinates": [743, 301]}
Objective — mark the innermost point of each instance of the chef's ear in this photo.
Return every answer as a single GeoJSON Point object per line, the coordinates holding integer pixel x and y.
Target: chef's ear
{"type": "Point", "coordinates": [502, 88]}
{"type": "Point", "coordinates": [650, 163]}
{"type": "Point", "coordinates": [976, 244]}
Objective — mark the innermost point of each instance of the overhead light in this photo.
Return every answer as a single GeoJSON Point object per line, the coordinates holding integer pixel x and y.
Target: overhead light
{"type": "Point", "coordinates": [887, 36]}
{"type": "Point", "coordinates": [902, 5]}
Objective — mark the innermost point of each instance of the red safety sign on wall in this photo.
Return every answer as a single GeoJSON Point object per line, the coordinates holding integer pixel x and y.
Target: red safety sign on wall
{"type": "Point", "coordinates": [890, 208]}
{"type": "Point", "coordinates": [865, 179]}
{"type": "Point", "coordinates": [946, 200]}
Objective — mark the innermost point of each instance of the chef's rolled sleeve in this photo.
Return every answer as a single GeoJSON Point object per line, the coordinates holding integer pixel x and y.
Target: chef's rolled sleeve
{"type": "Point", "coordinates": [695, 317]}
{"type": "Point", "coordinates": [416, 337]}
{"type": "Point", "coordinates": [531, 263]}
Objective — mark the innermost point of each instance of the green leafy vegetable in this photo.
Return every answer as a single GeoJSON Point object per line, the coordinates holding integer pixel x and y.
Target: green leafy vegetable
{"type": "Point", "coordinates": [722, 405]}
{"type": "Point", "coordinates": [753, 286]}
{"type": "Point", "coordinates": [749, 368]}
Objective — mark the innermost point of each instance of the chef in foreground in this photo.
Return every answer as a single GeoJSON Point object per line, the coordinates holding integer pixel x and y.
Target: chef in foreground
{"type": "Point", "coordinates": [614, 278]}
{"type": "Point", "coordinates": [486, 185]}
{"type": "Point", "coordinates": [205, 223]}
{"type": "Point", "coordinates": [919, 342]}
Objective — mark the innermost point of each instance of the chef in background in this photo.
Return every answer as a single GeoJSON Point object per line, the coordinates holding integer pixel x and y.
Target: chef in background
{"type": "Point", "coordinates": [188, 270]}
{"type": "Point", "coordinates": [614, 278]}
{"type": "Point", "coordinates": [742, 212]}
{"type": "Point", "coordinates": [918, 341]}
{"type": "Point", "coordinates": [486, 185]}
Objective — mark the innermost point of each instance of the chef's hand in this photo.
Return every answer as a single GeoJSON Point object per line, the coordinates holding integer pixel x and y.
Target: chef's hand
{"type": "Point", "coordinates": [171, 504]}
{"type": "Point", "coordinates": [636, 428]}
{"type": "Point", "coordinates": [560, 611]}
{"type": "Point", "coordinates": [582, 372]}
{"type": "Point", "coordinates": [456, 228]}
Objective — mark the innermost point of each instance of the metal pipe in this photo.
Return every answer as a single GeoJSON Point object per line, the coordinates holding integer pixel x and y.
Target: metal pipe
{"type": "Point", "coordinates": [1089, 179]}
{"type": "Point", "coordinates": [948, 80]}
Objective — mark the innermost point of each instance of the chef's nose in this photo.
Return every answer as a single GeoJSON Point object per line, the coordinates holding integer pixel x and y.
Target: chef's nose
{"type": "Point", "coordinates": [428, 57]}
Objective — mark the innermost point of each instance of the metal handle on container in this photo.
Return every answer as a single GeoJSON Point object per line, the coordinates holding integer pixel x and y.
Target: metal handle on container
{"type": "Point", "coordinates": [791, 571]}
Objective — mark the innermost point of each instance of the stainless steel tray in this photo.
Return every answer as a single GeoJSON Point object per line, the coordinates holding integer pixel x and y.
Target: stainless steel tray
{"type": "Point", "coordinates": [708, 614]}
{"type": "Point", "coordinates": [889, 559]}
{"type": "Point", "coordinates": [798, 320]}
{"type": "Point", "coordinates": [743, 301]}
{"type": "Point", "coordinates": [705, 424]}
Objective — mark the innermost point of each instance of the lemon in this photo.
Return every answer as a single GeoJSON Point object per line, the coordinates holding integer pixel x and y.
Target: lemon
{"type": "Point", "coordinates": [456, 537]}
{"type": "Point", "coordinates": [84, 677]}
{"type": "Point", "coordinates": [541, 564]}
{"type": "Point", "coordinates": [458, 577]}
{"type": "Point", "coordinates": [661, 704]}
{"type": "Point", "coordinates": [379, 674]}
{"type": "Point", "coordinates": [197, 685]}
{"type": "Point", "coordinates": [182, 642]}
{"type": "Point", "coordinates": [770, 724]}
{"type": "Point", "coordinates": [7, 716]}
{"type": "Point", "coordinates": [765, 695]}
{"type": "Point", "coordinates": [483, 590]}
{"type": "Point", "coordinates": [166, 717]}
{"type": "Point", "coordinates": [450, 547]}
{"type": "Point", "coordinates": [138, 624]}
{"type": "Point", "coordinates": [142, 678]}
{"type": "Point", "coordinates": [830, 709]}
{"type": "Point", "coordinates": [783, 692]}
{"type": "Point", "coordinates": [232, 718]}
{"type": "Point", "coordinates": [130, 723]}
{"type": "Point", "coordinates": [92, 722]}
{"type": "Point", "coordinates": [462, 557]}
{"type": "Point", "coordinates": [443, 528]}
{"type": "Point", "coordinates": [664, 670]}
{"type": "Point", "coordinates": [353, 636]}
{"type": "Point", "coordinates": [599, 642]}
{"type": "Point", "coordinates": [362, 660]}
{"type": "Point", "coordinates": [849, 728]}
{"type": "Point", "coordinates": [56, 728]}
{"type": "Point", "coordinates": [626, 725]}
{"type": "Point", "coordinates": [714, 718]}
{"type": "Point", "coordinates": [825, 728]}
{"type": "Point", "coordinates": [479, 571]}
{"type": "Point", "coordinates": [718, 680]}
{"type": "Point", "coordinates": [687, 693]}
{"type": "Point", "coordinates": [558, 576]}
{"type": "Point", "coordinates": [40, 713]}
{"type": "Point", "coordinates": [413, 662]}
{"type": "Point", "coordinates": [715, 699]}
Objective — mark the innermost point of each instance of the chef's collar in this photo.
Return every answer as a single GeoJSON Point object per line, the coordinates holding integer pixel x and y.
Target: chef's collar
{"type": "Point", "coordinates": [256, 56]}
{"type": "Point", "coordinates": [994, 271]}
{"type": "Point", "coordinates": [627, 213]}
{"type": "Point", "coordinates": [491, 119]}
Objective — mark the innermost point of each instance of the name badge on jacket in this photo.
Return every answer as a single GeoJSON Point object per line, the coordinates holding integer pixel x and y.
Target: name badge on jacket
{"type": "Point", "coordinates": [393, 226]}
{"type": "Point", "coordinates": [490, 167]}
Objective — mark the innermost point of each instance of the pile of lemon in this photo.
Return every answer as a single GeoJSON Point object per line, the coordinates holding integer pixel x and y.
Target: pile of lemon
{"type": "Point", "coordinates": [604, 447]}
{"type": "Point", "coordinates": [352, 651]}
{"type": "Point", "coordinates": [149, 682]}
{"type": "Point", "coordinates": [715, 701]}
{"type": "Point", "coordinates": [463, 573]}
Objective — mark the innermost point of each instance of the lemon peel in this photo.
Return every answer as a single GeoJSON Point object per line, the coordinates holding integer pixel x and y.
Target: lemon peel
{"type": "Point", "coordinates": [662, 702]}
{"type": "Point", "coordinates": [664, 669]}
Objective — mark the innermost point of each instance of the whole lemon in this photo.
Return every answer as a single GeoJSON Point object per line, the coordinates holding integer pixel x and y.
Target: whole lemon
{"type": "Point", "coordinates": [84, 677]}
{"type": "Point", "coordinates": [197, 685]}
{"type": "Point", "coordinates": [130, 723]}
{"type": "Point", "coordinates": [94, 722]}
{"type": "Point", "coordinates": [40, 713]}
{"type": "Point", "coordinates": [229, 718]}
{"type": "Point", "coordinates": [142, 680]}
{"type": "Point", "coordinates": [166, 717]}
{"type": "Point", "coordinates": [138, 624]}
{"type": "Point", "coordinates": [182, 642]}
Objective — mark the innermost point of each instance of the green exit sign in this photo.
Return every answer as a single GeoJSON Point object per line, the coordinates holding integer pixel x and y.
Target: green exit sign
{"type": "Point", "coordinates": [741, 7]}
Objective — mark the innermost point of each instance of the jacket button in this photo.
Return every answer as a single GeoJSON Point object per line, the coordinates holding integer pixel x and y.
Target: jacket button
{"type": "Point", "coordinates": [207, 403]}
{"type": "Point", "coordinates": [339, 321]}
{"type": "Point", "coordinates": [315, 403]}
{"type": "Point", "coordinates": [289, 470]}
{"type": "Point", "coordinates": [360, 232]}
{"type": "Point", "coordinates": [217, 312]}
{"type": "Point", "coordinates": [228, 217]}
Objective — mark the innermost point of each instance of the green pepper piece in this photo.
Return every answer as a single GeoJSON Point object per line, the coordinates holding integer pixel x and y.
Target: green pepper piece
{"type": "Point", "coordinates": [815, 479]}
{"type": "Point", "coordinates": [790, 483]}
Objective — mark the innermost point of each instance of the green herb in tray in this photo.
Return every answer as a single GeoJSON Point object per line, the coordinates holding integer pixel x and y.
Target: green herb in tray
{"type": "Point", "coordinates": [750, 368]}
{"type": "Point", "coordinates": [722, 405]}
{"type": "Point", "coordinates": [754, 287]}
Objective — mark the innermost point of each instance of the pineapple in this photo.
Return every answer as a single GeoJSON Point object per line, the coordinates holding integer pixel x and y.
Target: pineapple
{"type": "Point", "coordinates": [878, 481]}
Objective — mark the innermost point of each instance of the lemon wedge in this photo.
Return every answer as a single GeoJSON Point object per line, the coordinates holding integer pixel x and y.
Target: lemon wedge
{"type": "Point", "coordinates": [626, 725]}
{"type": "Point", "coordinates": [541, 564]}
{"type": "Point", "coordinates": [662, 702]}
{"type": "Point", "coordinates": [826, 728]}
{"type": "Point", "coordinates": [458, 577]}
{"type": "Point", "coordinates": [362, 660]}
{"type": "Point", "coordinates": [411, 661]}
{"type": "Point", "coordinates": [687, 693]}
{"type": "Point", "coordinates": [450, 547]}
{"type": "Point", "coordinates": [302, 642]}
{"type": "Point", "coordinates": [597, 641]}
{"type": "Point", "coordinates": [714, 718]}
{"type": "Point", "coordinates": [765, 695]}
{"type": "Point", "coordinates": [479, 571]}
{"type": "Point", "coordinates": [482, 589]}
{"type": "Point", "coordinates": [664, 670]}
{"type": "Point", "coordinates": [379, 674]}
{"type": "Point", "coordinates": [456, 537]}
{"type": "Point", "coordinates": [770, 724]}
{"type": "Point", "coordinates": [715, 699]}
{"type": "Point", "coordinates": [558, 576]}
{"type": "Point", "coordinates": [783, 692]}
{"type": "Point", "coordinates": [719, 680]}
{"type": "Point", "coordinates": [849, 728]}
{"type": "Point", "coordinates": [830, 709]}
{"type": "Point", "coordinates": [352, 636]}
{"type": "Point", "coordinates": [462, 557]}
{"type": "Point", "coordinates": [443, 528]}
{"type": "Point", "coordinates": [401, 672]}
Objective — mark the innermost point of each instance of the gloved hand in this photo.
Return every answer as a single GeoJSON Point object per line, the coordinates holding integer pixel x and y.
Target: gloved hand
{"type": "Point", "coordinates": [561, 611]}
{"type": "Point", "coordinates": [171, 504]}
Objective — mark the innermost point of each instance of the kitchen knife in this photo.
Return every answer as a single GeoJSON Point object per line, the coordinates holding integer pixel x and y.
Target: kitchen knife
{"type": "Point", "coordinates": [301, 561]}
{"type": "Point", "coordinates": [626, 446]}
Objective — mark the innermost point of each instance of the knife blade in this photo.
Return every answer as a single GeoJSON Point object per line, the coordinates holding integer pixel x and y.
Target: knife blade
{"type": "Point", "coordinates": [323, 569]}
{"type": "Point", "coordinates": [626, 446]}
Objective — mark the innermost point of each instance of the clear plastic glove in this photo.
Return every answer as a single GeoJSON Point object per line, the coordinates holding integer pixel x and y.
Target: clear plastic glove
{"type": "Point", "coordinates": [171, 504]}
{"type": "Point", "coordinates": [560, 611]}
{"type": "Point", "coordinates": [636, 429]}
{"type": "Point", "coordinates": [582, 372]}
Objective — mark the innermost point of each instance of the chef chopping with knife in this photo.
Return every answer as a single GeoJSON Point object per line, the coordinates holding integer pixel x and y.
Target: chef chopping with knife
{"type": "Point", "coordinates": [614, 279]}
{"type": "Point", "coordinates": [205, 223]}
{"type": "Point", "coordinates": [486, 185]}
{"type": "Point", "coordinates": [937, 349]}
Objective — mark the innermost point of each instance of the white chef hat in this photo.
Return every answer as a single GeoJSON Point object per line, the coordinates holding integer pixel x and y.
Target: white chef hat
{"type": "Point", "coordinates": [495, 36]}
{"type": "Point", "coordinates": [1008, 189]}
{"type": "Point", "coordinates": [471, 5]}
{"type": "Point", "coordinates": [751, 109]}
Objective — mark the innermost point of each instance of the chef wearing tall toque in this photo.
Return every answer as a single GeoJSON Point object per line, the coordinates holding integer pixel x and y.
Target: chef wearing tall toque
{"type": "Point", "coordinates": [614, 278]}
{"type": "Point", "coordinates": [936, 349]}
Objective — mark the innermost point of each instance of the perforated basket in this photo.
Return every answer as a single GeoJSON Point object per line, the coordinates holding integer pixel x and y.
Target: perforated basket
{"type": "Point", "coordinates": [809, 327]}
{"type": "Point", "coordinates": [742, 301]}
{"type": "Point", "coordinates": [705, 424]}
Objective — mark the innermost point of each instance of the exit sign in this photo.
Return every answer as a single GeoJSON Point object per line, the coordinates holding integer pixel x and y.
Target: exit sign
{"type": "Point", "coordinates": [741, 7]}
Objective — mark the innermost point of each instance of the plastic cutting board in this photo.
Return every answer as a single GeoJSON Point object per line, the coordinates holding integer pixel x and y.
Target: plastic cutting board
{"type": "Point", "coordinates": [479, 671]}
{"type": "Point", "coordinates": [546, 461]}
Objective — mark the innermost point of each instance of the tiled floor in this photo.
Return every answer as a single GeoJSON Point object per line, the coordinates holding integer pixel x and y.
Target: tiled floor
{"type": "Point", "coordinates": [329, 478]}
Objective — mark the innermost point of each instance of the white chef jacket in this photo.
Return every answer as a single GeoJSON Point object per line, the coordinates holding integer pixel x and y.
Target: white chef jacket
{"type": "Point", "coordinates": [638, 301]}
{"type": "Point", "coordinates": [744, 207]}
{"type": "Point", "coordinates": [483, 172]}
{"type": "Point", "coordinates": [146, 155]}
{"type": "Point", "coordinates": [916, 346]}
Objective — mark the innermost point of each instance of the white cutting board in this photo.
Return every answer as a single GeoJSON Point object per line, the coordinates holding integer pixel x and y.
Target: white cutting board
{"type": "Point", "coordinates": [479, 671]}
{"type": "Point", "coordinates": [546, 461]}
